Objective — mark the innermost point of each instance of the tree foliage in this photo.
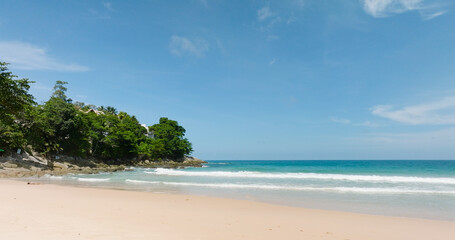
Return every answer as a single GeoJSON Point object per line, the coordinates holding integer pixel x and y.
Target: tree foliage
{"type": "Point", "coordinates": [15, 101]}
{"type": "Point", "coordinates": [14, 95]}
{"type": "Point", "coordinates": [60, 127]}
{"type": "Point", "coordinates": [169, 135]}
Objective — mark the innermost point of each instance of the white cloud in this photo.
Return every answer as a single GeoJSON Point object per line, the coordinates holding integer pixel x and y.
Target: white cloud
{"type": "Point", "coordinates": [428, 139]}
{"type": "Point", "coordinates": [292, 19]}
{"type": "Point", "coordinates": [108, 6]}
{"type": "Point", "coordinates": [439, 112]}
{"type": "Point", "coordinates": [267, 20]}
{"type": "Point", "coordinates": [349, 122]}
{"type": "Point", "coordinates": [428, 145]}
{"type": "Point", "coordinates": [181, 45]}
{"type": "Point", "coordinates": [385, 8]}
{"type": "Point", "coordinates": [221, 47]}
{"type": "Point", "coordinates": [340, 120]}
{"type": "Point", "coordinates": [367, 124]}
{"type": "Point", "coordinates": [30, 57]}
{"type": "Point", "coordinates": [103, 13]}
{"type": "Point", "coordinates": [264, 13]}
{"type": "Point", "coordinates": [429, 16]}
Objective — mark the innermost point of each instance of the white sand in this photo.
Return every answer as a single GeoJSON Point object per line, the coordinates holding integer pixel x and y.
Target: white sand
{"type": "Point", "coordinates": [63, 212]}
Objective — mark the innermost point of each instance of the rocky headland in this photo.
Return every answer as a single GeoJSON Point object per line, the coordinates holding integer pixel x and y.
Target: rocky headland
{"type": "Point", "coordinates": [27, 165]}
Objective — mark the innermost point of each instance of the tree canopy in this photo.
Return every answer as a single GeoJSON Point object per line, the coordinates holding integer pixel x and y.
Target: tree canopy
{"type": "Point", "coordinates": [15, 102]}
{"type": "Point", "coordinates": [14, 95]}
{"type": "Point", "coordinates": [60, 127]}
{"type": "Point", "coordinates": [170, 137]}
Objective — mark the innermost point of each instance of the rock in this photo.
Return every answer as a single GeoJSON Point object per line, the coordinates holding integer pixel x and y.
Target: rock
{"type": "Point", "coordinates": [86, 170]}
{"type": "Point", "coordinates": [192, 161]}
{"type": "Point", "coordinates": [60, 165]}
{"type": "Point", "coordinates": [9, 165]}
{"type": "Point", "coordinates": [35, 169]}
{"type": "Point", "coordinates": [25, 165]}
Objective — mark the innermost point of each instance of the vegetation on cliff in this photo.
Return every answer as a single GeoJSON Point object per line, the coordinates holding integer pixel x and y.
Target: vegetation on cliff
{"type": "Point", "coordinates": [61, 127]}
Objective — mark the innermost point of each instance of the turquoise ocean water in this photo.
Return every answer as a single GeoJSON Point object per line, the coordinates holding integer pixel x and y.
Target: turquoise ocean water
{"type": "Point", "coordinates": [424, 189]}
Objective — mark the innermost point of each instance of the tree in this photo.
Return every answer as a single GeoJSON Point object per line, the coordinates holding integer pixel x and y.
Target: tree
{"type": "Point", "coordinates": [15, 101]}
{"type": "Point", "coordinates": [108, 110]}
{"type": "Point", "coordinates": [111, 110]}
{"type": "Point", "coordinates": [152, 148]}
{"type": "Point", "coordinates": [60, 91]}
{"type": "Point", "coordinates": [14, 96]}
{"type": "Point", "coordinates": [59, 128]}
{"type": "Point", "coordinates": [170, 134]}
{"type": "Point", "coordinates": [123, 137]}
{"type": "Point", "coordinates": [11, 136]}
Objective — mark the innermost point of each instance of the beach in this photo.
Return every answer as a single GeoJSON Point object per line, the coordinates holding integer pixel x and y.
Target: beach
{"type": "Point", "coordinates": [413, 189]}
{"type": "Point", "coordinates": [47, 211]}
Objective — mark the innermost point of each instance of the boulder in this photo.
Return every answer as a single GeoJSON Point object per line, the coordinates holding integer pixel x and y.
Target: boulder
{"type": "Point", "coordinates": [9, 165]}
{"type": "Point", "coordinates": [60, 165]}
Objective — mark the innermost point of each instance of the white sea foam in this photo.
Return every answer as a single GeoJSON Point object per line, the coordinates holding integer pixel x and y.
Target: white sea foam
{"type": "Point", "coordinates": [93, 179]}
{"type": "Point", "coordinates": [141, 182]}
{"type": "Point", "coordinates": [52, 177]}
{"type": "Point", "coordinates": [56, 177]}
{"type": "Point", "coordinates": [319, 176]}
{"type": "Point", "coordinates": [299, 188]}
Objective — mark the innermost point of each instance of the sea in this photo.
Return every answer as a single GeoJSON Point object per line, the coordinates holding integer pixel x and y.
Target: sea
{"type": "Point", "coordinates": [418, 189]}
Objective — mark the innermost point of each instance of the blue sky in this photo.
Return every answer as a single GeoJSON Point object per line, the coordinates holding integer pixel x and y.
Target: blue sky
{"type": "Point", "coordinates": [291, 79]}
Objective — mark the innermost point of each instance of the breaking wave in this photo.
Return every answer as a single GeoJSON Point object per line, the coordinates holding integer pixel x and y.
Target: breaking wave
{"type": "Point", "coordinates": [298, 188]}
{"type": "Point", "coordinates": [319, 176]}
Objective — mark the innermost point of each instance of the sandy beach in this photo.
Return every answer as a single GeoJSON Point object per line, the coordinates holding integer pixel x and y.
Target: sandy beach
{"type": "Point", "coordinates": [46, 211]}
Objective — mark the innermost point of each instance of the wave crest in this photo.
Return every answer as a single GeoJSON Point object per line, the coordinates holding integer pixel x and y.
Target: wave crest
{"type": "Point", "coordinates": [298, 188]}
{"type": "Point", "coordinates": [93, 179]}
{"type": "Point", "coordinates": [319, 176]}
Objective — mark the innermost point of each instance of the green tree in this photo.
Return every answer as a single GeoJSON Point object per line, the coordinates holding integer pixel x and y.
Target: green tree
{"type": "Point", "coordinates": [14, 95]}
{"type": "Point", "coordinates": [15, 101]}
{"type": "Point", "coordinates": [97, 130]}
{"type": "Point", "coordinates": [111, 110]}
{"type": "Point", "coordinates": [60, 128]}
{"type": "Point", "coordinates": [11, 136]}
{"type": "Point", "coordinates": [152, 148]}
{"type": "Point", "coordinates": [60, 91]}
{"type": "Point", "coordinates": [123, 137]}
{"type": "Point", "coordinates": [170, 134]}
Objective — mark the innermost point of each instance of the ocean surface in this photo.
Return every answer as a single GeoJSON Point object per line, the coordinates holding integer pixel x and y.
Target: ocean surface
{"type": "Point", "coordinates": [423, 189]}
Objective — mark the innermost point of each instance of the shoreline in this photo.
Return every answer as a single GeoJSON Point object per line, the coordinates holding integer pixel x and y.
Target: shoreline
{"type": "Point", "coordinates": [69, 212]}
{"type": "Point", "coordinates": [308, 205]}
{"type": "Point", "coordinates": [26, 165]}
